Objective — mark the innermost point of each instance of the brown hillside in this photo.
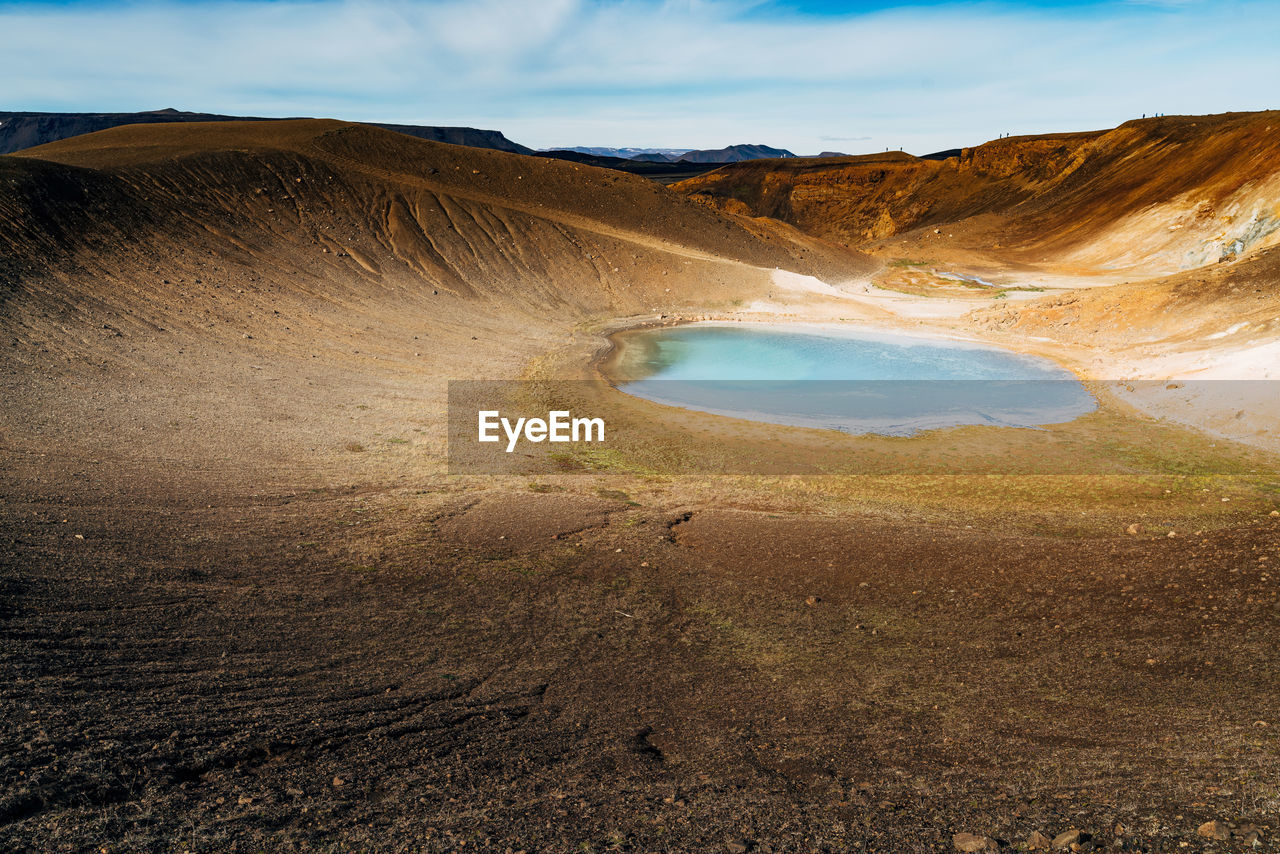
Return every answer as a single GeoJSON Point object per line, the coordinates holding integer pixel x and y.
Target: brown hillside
{"type": "Point", "coordinates": [857, 199]}
{"type": "Point", "coordinates": [184, 271]}
{"type": "Point", "coordinates": [1201, 309]}
{"type": "Point", "coordinates": [233, 229]}
{"type": "Point", "coordinates": [1158, 194]}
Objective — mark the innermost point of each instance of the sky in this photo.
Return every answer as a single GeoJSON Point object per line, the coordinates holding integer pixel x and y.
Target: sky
{"type": "Point", "coordinates": [806, 75]}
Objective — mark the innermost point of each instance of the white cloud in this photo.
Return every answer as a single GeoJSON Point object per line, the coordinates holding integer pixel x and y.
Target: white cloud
{"type": "Point", "coordinates": [677, 73]}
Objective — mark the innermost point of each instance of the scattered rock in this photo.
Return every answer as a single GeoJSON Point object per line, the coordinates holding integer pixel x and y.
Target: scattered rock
{"type": "Point", "coordinates": [1068, 838]}
{"type": "Point", "coordinates": [1214, 830]}
{"type": "Point", "coordinates": [973, 842]}
{"type": "Point", "coordinates": [1037, 841]}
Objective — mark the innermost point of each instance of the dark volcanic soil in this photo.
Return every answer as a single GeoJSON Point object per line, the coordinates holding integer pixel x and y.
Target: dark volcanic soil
{"type": "Point", "coordinates": [403, 669]}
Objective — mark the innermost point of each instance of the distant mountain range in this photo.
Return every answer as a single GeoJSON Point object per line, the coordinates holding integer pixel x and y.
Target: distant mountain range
{"type": "Point", "coordinates": [735, 154]}
{"type": "Point", "coordinates": [26, 130]}
{"type": "Point", "coordinates": [644, 154]}
{"type": "Point", "coordinates": [730, 154]}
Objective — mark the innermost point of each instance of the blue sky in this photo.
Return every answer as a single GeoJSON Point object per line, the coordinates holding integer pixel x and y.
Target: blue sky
{"type": "Point", "coordinates": [808, 75]}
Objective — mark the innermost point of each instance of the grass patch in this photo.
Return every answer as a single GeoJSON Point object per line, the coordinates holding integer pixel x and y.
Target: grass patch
{"type": "Point", "coordinates": [616, 495]}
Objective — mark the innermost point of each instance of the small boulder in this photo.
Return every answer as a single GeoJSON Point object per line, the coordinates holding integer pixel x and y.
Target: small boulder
{"type": "Point", "coordinates": [1214, 830]}
{"type": "Point", "coordinates": [1067, 838]}
{"type": "Point", "coordinates": [1037, 841]}
{"type": "Point", "coordinates": [973, 842]}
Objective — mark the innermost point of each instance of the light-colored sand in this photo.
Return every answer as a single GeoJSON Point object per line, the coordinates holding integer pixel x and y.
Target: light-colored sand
{"type": "Point", "coordinates": [1228, 391]}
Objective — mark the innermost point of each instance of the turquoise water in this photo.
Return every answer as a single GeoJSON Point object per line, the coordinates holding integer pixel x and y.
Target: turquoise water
{"type": "Point", "coordinates": [858, 382]}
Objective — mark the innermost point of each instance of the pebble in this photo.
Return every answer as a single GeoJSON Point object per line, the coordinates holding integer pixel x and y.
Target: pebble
{"type": "Point", "coordinates": [1135, 528]}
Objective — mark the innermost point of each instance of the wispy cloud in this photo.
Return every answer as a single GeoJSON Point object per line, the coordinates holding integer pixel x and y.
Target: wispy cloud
{"type": "Point", "coordinates": [697, 73]}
